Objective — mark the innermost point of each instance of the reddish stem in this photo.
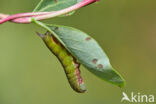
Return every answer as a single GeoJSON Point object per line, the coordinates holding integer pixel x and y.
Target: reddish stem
{"type": "Point", "coordinates": [27, 17]}
{"type": "Point", "coordinates": [20, 15]}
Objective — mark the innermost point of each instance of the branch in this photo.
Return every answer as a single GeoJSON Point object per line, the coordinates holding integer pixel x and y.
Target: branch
{"type": "Point", "coordinates": [27, 17]}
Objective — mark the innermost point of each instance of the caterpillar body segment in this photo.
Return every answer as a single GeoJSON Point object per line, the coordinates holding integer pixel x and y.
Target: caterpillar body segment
{"type": "Point", "coordinates": [69, 63]}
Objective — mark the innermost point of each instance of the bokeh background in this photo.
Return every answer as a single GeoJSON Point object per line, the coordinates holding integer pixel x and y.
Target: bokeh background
{"type": "Point", "coordinates": [126, 30]}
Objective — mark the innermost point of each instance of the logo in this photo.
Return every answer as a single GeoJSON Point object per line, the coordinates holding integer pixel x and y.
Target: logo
{"type": "Point", "coordinates": [137, 98]}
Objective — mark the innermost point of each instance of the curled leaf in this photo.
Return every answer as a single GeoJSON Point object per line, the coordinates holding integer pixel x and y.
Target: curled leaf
{"type": "Point", "coordinates": [87, 51]}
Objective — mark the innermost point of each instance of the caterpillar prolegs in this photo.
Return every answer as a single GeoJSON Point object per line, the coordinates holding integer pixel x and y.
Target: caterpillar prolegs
{"type": "Point", "coordinates": [69, 63]}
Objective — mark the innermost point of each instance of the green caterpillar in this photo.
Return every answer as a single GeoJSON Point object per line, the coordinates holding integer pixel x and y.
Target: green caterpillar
{"type": "Point", "coordinates": [69, 63]}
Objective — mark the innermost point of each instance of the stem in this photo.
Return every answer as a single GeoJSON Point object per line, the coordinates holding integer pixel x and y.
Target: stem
{"type": "Point", "coordinates": [40, 24]}
{"type": "Point", "coordinates": [8, 18]}
{"type": "Point", "coordinates": [67, 10]}
{"type": "Point", "coordinates": [27, 17]}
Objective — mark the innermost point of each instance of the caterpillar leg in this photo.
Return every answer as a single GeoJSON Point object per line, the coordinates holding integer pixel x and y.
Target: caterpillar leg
{"type": "Point", "coordinates": [69, 62]}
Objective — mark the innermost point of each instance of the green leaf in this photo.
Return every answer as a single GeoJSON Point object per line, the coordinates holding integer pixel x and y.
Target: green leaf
{"type": "Point", "coordinates": [54, 5]}
{"type": "Point", "coordinates": [87, 51]}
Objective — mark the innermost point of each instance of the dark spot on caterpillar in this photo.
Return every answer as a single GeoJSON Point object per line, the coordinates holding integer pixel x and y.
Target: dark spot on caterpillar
{"type": "Point", "coordinates": [88, 38]}
{"type": "Point", "coordinates": [100, 66]}
{"type": "Point", "coordinates": [94, 61]}
{"type": "Point", "coordinates": [75, 62]}
{"type": "Point", "coordinates": [53, 38]}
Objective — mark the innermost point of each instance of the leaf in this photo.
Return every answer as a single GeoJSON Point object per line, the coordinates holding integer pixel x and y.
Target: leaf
{"type": "Point", "coordinates": [87, 51]}
{"type": "Point", "coordinates": [54, 5]}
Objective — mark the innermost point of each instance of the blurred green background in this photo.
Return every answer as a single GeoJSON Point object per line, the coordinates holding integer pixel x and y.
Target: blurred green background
{"type": "Point", "coordinates": [126, 30]}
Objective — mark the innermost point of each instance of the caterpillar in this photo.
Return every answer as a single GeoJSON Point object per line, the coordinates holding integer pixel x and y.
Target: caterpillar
{"type": "Point", "coordinates": [69, 62]}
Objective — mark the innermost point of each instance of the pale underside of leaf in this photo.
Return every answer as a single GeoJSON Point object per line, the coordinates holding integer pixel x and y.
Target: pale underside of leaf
{"type": "Point", "coordinates": [88, 52]}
